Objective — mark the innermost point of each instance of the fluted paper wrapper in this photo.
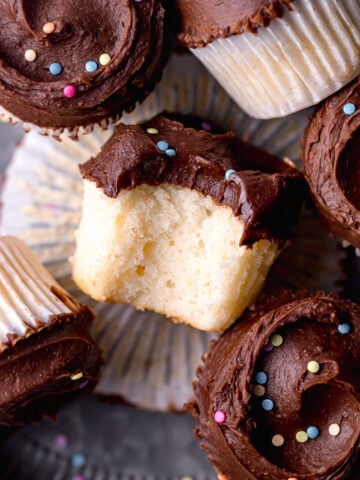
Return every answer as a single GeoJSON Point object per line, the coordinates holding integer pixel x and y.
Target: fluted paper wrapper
{"type": "Point", "coordinates": [150, 361]}
{"type": "Point", "coordinates": [29, 296]}
{"type": "Point", "coordinates": [295, 62]}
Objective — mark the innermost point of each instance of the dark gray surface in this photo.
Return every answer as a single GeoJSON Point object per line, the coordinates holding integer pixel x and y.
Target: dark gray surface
{"type": "Point", "coordinates": [118, 441]}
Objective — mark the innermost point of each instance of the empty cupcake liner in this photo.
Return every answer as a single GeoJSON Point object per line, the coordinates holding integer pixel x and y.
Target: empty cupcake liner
{"type": "Point", "coordinates": [149, 361]}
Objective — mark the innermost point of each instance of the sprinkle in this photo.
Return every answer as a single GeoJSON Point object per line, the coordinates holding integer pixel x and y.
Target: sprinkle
{"type": "Point", "coordinates": [55, 68]}
{"type": "Point", "coordinates": [292, 478]}
{"type": "Point", "coordinates": [69, 91]}
{"type": "Point", "coordinates": [313, 366]}
{"type": "Point", "coordinates": [78, 477]}
{"type": "Point", "coordinates": [312, 432]}
{"type": "Point", "coordinates": [206, 126]}
{"type": "Point", "coordinates": [91, 66]}
{"type": "Point", "coordinates": [104, 59]}
{"type": "Point", "coordinates": [276, 340]}
{"type": "Point", "coordinates": [170, 152]}
{"type": "Point", "coordinates": [162, 145]}
{"type": "Point", "coordinates": [261, 378]}
{"type": "Point", "coordinates": [49, 28]}
{"type": "Point", "coordinates": [278, 440]}
{"type": "Point", "coordinates": [152, 131]}
{"type": "Point", "coordinates": [220, 416]}
{"type": "Point", "coordinates": [228, 174]}
{"type": "Point", "coordinates": [334, 429]}
{"type": "Point", "coordinates": [267, 404]}
{"type": "Point", "coordinates": [344, 328]}
{"type": "Point", "coordinates": [268, 347]}
{"type": "Point", "coordinates": [301, 436]}
{"type": "Point", "coordinates": [186, 477]}
{"type": "Point", "coordinates": [78, 460]}
{"type": "Point", "coordinates": [30, 55]}
{"type": "Point", "coordinates": [84, 384]}
{"type": "Point", "coordinates": [349, 108]}
{"type": "Point", "coordinates": [259, 390]}
{"type": "Point", "coordinates": [77, 376]}
{"type": "Point", "coordinates": [61, 441]}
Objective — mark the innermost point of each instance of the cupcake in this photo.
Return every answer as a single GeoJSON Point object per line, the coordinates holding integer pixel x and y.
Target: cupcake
{"type": "Point", "coordinates": [66, 66]}
{"type": "Point", "coordinates": [274, 57]}
{"type": "Point", "coordinates": [46, 352]}
{"type": "Point", "coordinates": [182, 222]}
{"type": "Point", "coordinates": [278, 394]}
{"type": "Point", "coordinates": [331, 162]}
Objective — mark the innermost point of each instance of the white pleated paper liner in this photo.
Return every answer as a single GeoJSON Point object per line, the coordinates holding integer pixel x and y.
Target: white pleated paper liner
{"type": "Point", "coordinates": [149, 361]}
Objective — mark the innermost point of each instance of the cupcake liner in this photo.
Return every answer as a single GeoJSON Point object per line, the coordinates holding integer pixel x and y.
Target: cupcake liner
{"type": "Point", "coordinates": [293, 63]}
{"type": "Point", "coordinates": [30, 297]}
{"type": "Point", "coordinates": [149, 361]}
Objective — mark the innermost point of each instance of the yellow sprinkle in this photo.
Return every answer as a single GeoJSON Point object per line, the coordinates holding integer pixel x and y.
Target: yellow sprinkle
{"type": "Point", "coordinates": [334, 429]}
{"type": "Point", "coordinates": [77, 376]}
{"type": "Point", "coordinates": [276, 340]}
{"type": "Point", "coordinates": [278, 440]}
{"type": "Point", "coordinates": [301, 437]}
{"type": "Point", "coordinates": [187, 477]}
{"type": "Point", "coordinates": [259, 390]}
{"type": "Point", "coordinates": [30, 55]}
{"type": "Point", "coordinates": [152, 131]}
{"type": "Point", "coordinates": [5, 118]}
{"type": "Point", "coordinates": [49, 28]}
{"type": "Point", "coordinates": [313, 366]}
{"type": "Point", "coordinates": [104, 59]}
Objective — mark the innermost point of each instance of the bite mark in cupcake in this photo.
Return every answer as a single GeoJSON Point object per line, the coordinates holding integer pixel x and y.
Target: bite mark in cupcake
{"type": "Point", "coordinates": [187, 237]}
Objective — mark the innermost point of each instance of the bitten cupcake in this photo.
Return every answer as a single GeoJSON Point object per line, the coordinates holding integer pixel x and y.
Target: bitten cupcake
{"type": "Point", "coordinates": [65, 66]}
{"type": "Point", "coordinates": [274, 57]}
{"type": "Point", "coordinates": [183, 222]}
{"type": "Point", "coordinates": [331, 162]}
{"type": "Point", "coordinates": [46, 352]}
{"type": "Point", "coordinates": [278, 395]}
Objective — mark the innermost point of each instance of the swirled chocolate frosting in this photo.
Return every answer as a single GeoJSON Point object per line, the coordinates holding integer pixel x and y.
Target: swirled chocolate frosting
{"type": "Point", "coordinates": [199, 23]}
{"type": "Point", "coordinates": [278, 395]}
{"type": "Point", "coordinates": [47, 46]}
{"type": "Point", "coordinates": [331, 162]}
{"type": "Point", "coordinates": [39, 373]}
{"type": "Point", "coordinates": [262, 191]}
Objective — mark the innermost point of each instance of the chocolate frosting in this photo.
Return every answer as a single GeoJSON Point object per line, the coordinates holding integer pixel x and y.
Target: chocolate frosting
{"type": "Point", "coordinates": [241, 447]}
{"type": "Point", "coordinates": [35, 374]}
{"type": "Point", "coordinates": [131, 32]}
{"type": "Point", "coordinates": [199, 22]}
{"type": "Point", "coordinates": [268, 203]}
{"type": "Point", "coordinates": [331, 162]}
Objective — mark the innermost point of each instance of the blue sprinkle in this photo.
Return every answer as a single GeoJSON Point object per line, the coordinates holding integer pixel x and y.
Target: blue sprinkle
{"type": "Point", "coordinates": [78, 460]}
{"type": "Point", "coordinates": [91, 66]}
{"type": "Point", "coordinates": [349, 108]}
{"type": "Point", "coordinates": [228, 174]}
{"type": "Point", "coordinates": [312, 432]}
{"type": "Point", "coordinates": [267, 404]}
{"type": "Point", "coordinates": [170, 152]}
{"type": "Point", "coordinates": [261, 378]}
{"type": "Point", "coordinates": [162, 145]}
{"type": "Point", "coordinates": [55, 68]}
{"type": "Point", "coordinates": [344, 328]}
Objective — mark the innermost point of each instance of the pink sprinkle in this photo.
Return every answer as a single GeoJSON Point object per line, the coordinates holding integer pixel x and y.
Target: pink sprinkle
{"type": "Point", "coordinates": [78, 477]}
{"type": "Point", "coordinates": [220, 416]}
{"type": "Point", "coordinates": [69, 91]}
{"type": "Point", "coordinates": [61, 441]}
